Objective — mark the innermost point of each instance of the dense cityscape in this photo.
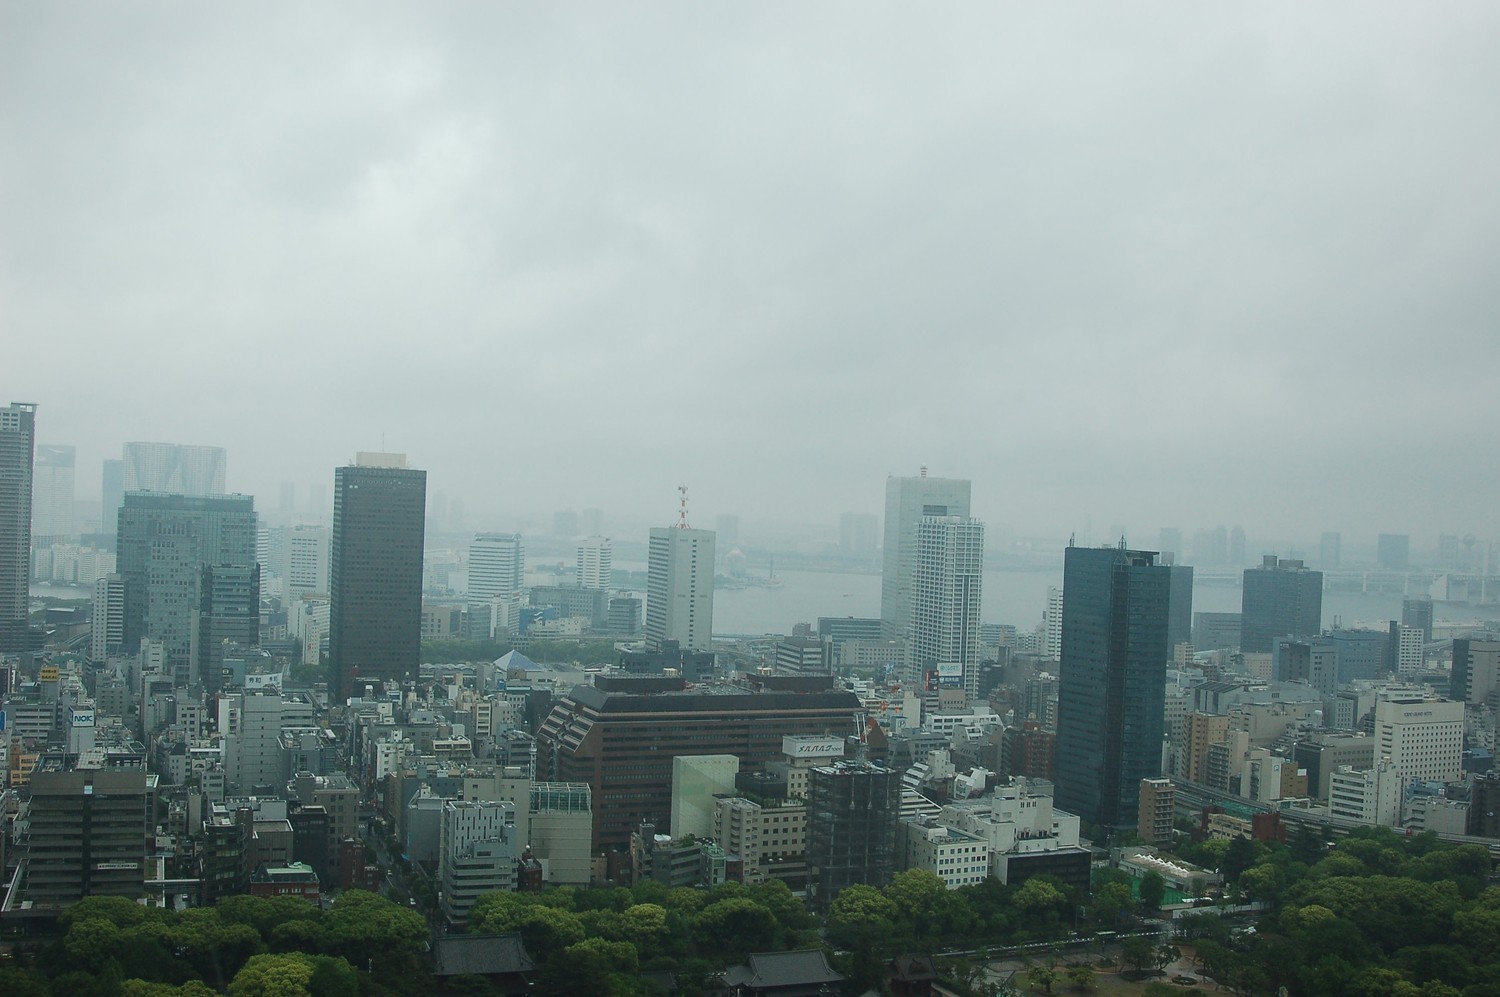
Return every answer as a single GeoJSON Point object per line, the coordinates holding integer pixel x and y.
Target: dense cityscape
{"type": "Point", "coordinates": [749, 500]}
{"type": "Point", "coordinates": [287, 722]}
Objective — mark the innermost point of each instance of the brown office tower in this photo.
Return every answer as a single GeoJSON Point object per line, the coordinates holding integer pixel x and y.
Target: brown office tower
{"type": "Point", "coordinates": [619, 736]}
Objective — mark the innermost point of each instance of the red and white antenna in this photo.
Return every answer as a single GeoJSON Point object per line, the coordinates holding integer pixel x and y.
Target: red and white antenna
{"type": "Point", "coordinates": [682, 521]}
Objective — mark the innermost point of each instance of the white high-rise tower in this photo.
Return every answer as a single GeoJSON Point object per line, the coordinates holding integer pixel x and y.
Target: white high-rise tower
{"type": "Point", "coordinates": [1052, 624]}
{"type": "Point", "coordinates": [946, 597]}
{"type": "Point", "coordinates": [907, 501]}
{"type": "Point", "coordinates": [680, 585]}
{"type": "Point", "coordinates": [594, 557]}
{"type": "Point", "coordinates": [497, 567]}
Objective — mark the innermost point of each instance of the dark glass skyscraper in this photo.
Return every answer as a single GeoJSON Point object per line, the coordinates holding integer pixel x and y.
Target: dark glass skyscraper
{"type": "Point", "coordinates": [1281, 598]}
{"type": "Point", "coordinates": [375, 572]}
{"type": "Point", "coordinates": [1111, 691]}
{"type": "Point", "coordinates": [17, 451]}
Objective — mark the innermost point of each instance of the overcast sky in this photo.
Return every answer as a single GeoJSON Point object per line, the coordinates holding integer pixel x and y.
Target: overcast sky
{"type": "Point", "coordinates": [1142, 264]}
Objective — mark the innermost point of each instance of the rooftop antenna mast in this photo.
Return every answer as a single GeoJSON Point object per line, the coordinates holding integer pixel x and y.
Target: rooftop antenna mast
{"type": "Point", "coordinates": [682, 520]}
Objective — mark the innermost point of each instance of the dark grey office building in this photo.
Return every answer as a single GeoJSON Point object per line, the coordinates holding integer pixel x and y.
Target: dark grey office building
{"type": "Point", "coordinates": [1418, 613]}
{"type": "Point", "coordinates": [1111, 690]}
{"type": "Point", "coordinates": [1281, 598]}
{"type": "Point", "coordinates": [229, 613]}
{"type": "Point", "coordinates": [1216, 631]}
{"type": "Point", "coordinates": [375, 572]}
{"type": "Point", "coordinates": [164, 544]}
{"type": "Point", "coordinates": [1363, 654]}
{"type": "Point", "coordinates": [1393, 551]}
{"type": "Point", "coordinates": [1329, 551]}
{"type": "Point", "coordinates": [1180, 606]}
{"type": "Point", "coordinates": [17, 451]}
{"type": "Point", "coordinates": [111, 495]}
{"type": "Point", "coordinates": [1314, 661]}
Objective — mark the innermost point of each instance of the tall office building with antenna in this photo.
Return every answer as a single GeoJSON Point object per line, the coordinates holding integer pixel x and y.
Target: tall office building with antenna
{"type": "Point", "coordinates": [680, 584]}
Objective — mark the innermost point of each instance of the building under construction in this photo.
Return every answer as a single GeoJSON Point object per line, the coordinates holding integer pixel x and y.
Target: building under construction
{"type": "Point", "coordinates": [852, 809]}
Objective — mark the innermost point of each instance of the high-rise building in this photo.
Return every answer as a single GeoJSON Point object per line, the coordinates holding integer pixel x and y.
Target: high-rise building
{"type": "Point", "coordinates": [304, 562]}
{"type": "Point", "coordinates": [497, 567]}
{"type": "Point", "coordinates": [1476, 669]}
{"type": "Point", "coordinates": [1329, 551]}
{"type": "Point", "coordinates": [1112, 687]}
{"type": "Point", "coordinates": [1393, 551]}
{"type": "Point", "coordinates": [375, 572]}
{"type": "Point", "coordinates": [1423, 738]}
{"type": "Point", "coordinates": [164, 543]}
{"type": "Point", "coordinates": [229, 613]}
{"type": "Point", "coordinates": [727, 527]}
{"type": "Point", "coordinates": [594, 563]}
{"type": "Point", "coordinates": [1407, 650]}
{"type": "Point", "coordinates": [1418, 613]}
{"type": "Point", "coordinates": [1180, 606]}
{"type": "Point", "coordinates": [107, 635]}
{"type": "Point", "coordinates": [680, 588]}
{"type": "Point", "coordinates": [858, 533]}
{"type": "Point", "coordinates": [1281, 598]}
{"type": "Point", "coordinates": [1157, 806]}
{"type": "Point", "coordinates": [17, 445]}
{"type": "Point", "coordinates": [52, 495]}
{"type": "Point", "coordinates": [1237, 546]}
{"type": "Point", "coordinates": [1169, 539]}
{"type": "Point", "coordinates": [111, 494]}
{"type": "Point", "coordinates": [173, 468]}
{"type": "Point", "coordinates": [946, 584]}
{"type": "Point", "coordinates": [907, 502]}
{"type": "Point", "coordinates": [1052, 624]}
{"type": "Point", "coordinates": [496, 581]}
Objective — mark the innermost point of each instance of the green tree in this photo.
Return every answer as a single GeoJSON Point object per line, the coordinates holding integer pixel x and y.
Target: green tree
{"type": "Point", "coordinates": [1240, 854]}
{"type": "Point", "coordinates": [736, 927]}
{"type": "Point", "coordinates": [1042, 978]}
{"type": "Point", "coordinates": [1153, 890]}
{"type": "Point", "coordinates": [1038, 896]}
{"type": "Point", "coordinates": [1110, 902]}
{"type": "Point", "coordinates": [1082, 977]}
{"type": "Point", "coordinates": [861, 917]}
{"type": "Point", "coordinates": [546, 931]}
{"type": "Point", "coordinates": [1138, 952]}
{"type": "Point", "coordinates": [927, 908]}
{"type": "Point", "coordinates": [273, 976]}
{"type": "Point", "coordinates": [370, 931]}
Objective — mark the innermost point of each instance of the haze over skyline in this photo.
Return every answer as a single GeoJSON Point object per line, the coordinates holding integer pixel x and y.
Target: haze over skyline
{"type": "Point", "coordinates": [1228, 264]}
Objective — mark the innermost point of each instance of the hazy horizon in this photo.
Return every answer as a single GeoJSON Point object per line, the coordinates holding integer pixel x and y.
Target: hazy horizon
{"type": "Point", "coordinates": [1223, 265]}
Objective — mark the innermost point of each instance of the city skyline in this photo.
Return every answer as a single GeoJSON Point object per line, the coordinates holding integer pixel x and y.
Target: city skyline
{"type": "Point", "coordinates": [803, 256]}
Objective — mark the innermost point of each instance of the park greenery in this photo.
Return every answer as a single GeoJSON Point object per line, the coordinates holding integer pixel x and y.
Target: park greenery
{"type": "Point", "coordinates": [1377, 913]}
